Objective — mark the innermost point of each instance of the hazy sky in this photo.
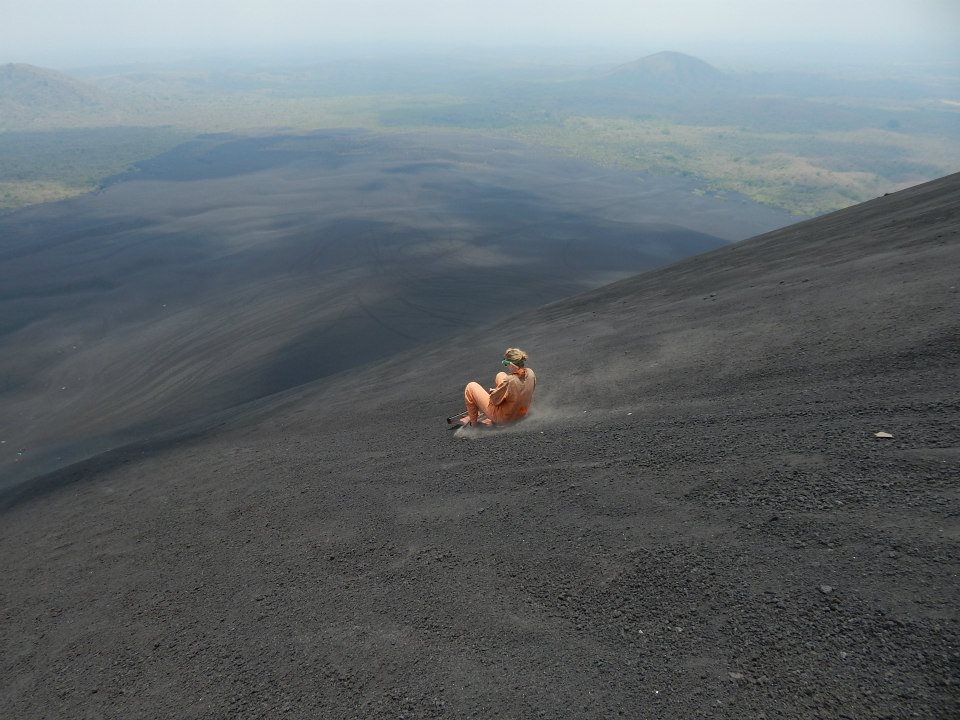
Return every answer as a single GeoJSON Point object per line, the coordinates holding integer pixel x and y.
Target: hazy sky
{"type": "Point", "coordinates": [73, 31]}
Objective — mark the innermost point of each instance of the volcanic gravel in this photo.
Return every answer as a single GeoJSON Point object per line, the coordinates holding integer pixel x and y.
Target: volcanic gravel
{"type": "Point", "coordinates": [697, 520]}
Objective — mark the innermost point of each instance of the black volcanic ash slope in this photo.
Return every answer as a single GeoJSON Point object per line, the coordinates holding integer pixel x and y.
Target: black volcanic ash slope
{"type": "Point", "coordinates": [233, 268]}
{"type": "Point", "coordinates": [697, 521]}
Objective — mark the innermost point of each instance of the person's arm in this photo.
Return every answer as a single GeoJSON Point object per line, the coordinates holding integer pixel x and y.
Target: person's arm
{"type": "Point", "coordinates": [501, 392]}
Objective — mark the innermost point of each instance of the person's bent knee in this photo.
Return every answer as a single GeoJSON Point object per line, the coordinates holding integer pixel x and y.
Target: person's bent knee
{"type": "Point", "coordinates": [470, 393]}
{"type": "Point", "coordinates": [476, 399]}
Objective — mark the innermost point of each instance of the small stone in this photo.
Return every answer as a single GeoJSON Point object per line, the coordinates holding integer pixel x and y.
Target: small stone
{"type": "Point", "coordinates": [735, 676]}
{"type": "Point", "coordinates": [884, 435]}
{"type": "Point", "coordinates": [826, 589]}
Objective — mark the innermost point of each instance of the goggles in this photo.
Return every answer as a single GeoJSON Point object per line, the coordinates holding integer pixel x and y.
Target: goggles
{"type": "Point", "coordinates": [506, 363]}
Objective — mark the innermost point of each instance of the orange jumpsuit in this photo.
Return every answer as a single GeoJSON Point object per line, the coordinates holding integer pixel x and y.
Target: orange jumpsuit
{"type": "Point", "coordinates": [509, 401]}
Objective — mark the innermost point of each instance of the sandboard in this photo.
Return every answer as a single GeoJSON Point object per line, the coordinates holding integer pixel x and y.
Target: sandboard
{"type": "Point", "coordinates": [458, 421]}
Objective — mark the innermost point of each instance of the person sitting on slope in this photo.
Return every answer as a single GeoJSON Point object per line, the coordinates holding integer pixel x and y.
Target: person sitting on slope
{"type": "Point", "coordinates": [510, 400]}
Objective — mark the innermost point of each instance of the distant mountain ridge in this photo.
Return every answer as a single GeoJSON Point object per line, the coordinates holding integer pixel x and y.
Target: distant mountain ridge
{"type": "Point", "coordinates": [28, 90]}
{"type": "Point", "coordinates": [669, 72]}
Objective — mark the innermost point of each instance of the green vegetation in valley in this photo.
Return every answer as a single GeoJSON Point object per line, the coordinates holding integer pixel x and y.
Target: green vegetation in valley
{"type": "Point", "coordinates": [805, 174]}
{"type": "Point", "coordinates": [54, 165]}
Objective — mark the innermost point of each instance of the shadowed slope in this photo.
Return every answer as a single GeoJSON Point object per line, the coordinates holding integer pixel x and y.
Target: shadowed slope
{"type": "Point", "coordinates": [697, 520]}
{"type": "Point", "coordinates": [233, 268]}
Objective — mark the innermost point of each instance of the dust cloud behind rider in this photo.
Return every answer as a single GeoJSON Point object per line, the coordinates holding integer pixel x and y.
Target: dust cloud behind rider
{"type": "Point", "coordinates": [510, 399]}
